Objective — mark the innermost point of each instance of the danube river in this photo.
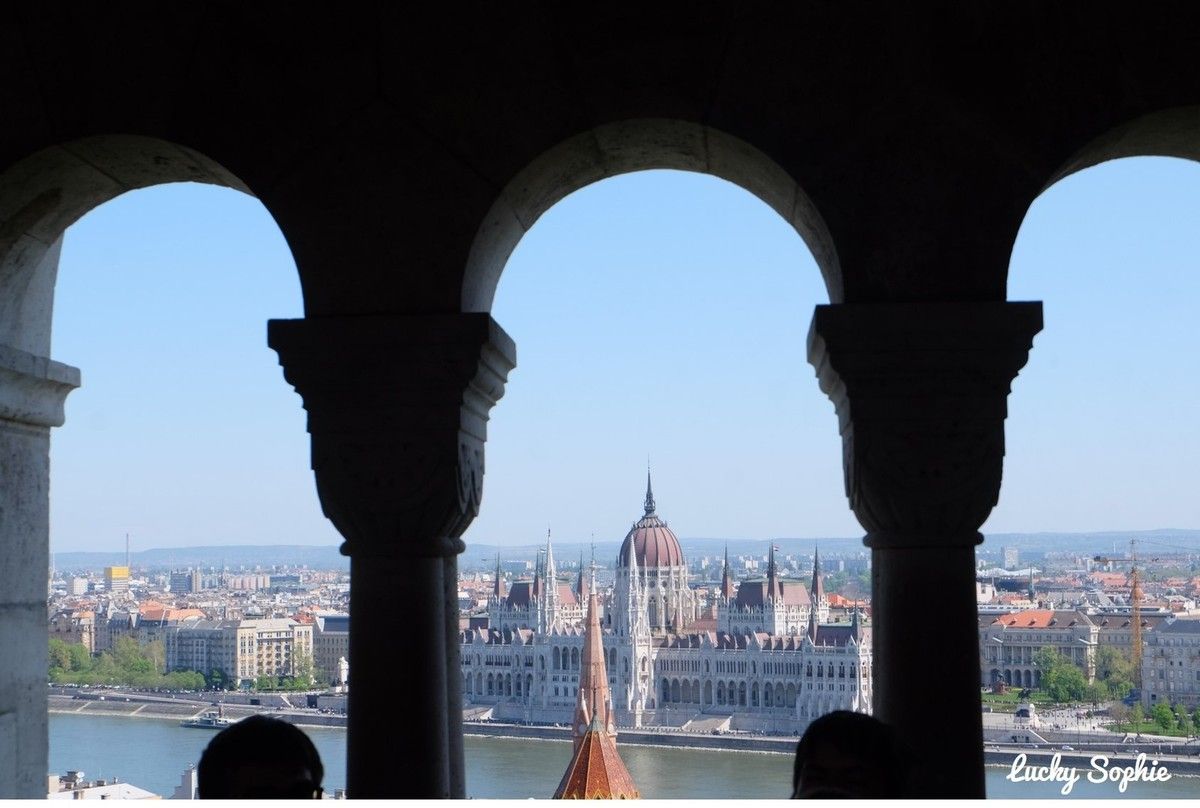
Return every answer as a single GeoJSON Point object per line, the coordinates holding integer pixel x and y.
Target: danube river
{"type": "Point", "coordinates": [153, 753]}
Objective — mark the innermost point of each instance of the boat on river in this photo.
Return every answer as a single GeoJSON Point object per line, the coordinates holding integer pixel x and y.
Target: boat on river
{"type": "Point", "coordinates": [209, 719]}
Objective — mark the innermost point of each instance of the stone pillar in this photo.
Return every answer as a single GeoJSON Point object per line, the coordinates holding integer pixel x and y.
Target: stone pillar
{"type": "Point", "coordinates": [920, 392]}
{"type": "Point", "coordinates": [32, 392]}
{"type": "Point", "coordinates": [398, 409]}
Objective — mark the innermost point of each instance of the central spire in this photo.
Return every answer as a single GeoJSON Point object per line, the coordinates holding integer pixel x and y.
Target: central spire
{"type": "Point", "coordinates": [649, 494]}
{"type": "Point", "coordinates": [596, 770]}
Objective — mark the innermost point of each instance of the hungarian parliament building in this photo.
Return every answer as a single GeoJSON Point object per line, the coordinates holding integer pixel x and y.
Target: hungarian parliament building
{"type": "Point", "coordinates": [763, 657]}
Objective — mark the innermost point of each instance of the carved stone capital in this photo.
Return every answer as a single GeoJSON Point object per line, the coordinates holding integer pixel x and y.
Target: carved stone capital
{"type": "Point", "coordinates": [33, 389]}
{"type": "Point", "coordinates": [921, 395]}
{"type": "Point", "coordinates": [397, 409]}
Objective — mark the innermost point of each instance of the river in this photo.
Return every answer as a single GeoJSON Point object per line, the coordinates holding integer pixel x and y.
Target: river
{"type": "Point", "coordinates": [153, 753]}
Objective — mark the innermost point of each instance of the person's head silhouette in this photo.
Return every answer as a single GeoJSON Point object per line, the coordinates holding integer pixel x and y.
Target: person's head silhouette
{"type": "Point", "coordinates": [260, 757]}
{"type": "Point", "coordinates": [845, 754]}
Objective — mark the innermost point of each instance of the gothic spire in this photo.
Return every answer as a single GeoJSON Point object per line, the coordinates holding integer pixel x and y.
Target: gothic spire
{"type": "Point", "coordinates": [498, 589]}
{"type": "Point", "coordinates": [596, 770]}
{"type": "Point", "coordinates": [649, 494]}
{"type": "Point", "coordinates": [726, 583]}
{"type": "Point", "coordinates": [773, 588]}
{"type": "Point", "coordinates": [818, 588]}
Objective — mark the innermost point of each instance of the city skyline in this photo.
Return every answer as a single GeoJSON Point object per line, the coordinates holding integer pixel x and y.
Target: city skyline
{"type": "Point", "coordinates": [185, 433]}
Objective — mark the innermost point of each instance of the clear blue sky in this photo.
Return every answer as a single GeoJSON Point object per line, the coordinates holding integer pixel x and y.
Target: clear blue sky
{"type": "Point", "coordinates": [658, 314]}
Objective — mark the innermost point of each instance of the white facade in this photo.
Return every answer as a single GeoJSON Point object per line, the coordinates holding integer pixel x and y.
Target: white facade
{"type": "Point", "coordinates": [776, 680]}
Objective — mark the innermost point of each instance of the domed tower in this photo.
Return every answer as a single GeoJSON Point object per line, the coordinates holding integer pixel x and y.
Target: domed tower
{"type": "Point", "coordinates": [652, 548]}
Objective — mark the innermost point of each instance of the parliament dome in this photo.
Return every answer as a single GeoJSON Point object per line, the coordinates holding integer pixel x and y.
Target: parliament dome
{"type": "Point", "coordinates": [655, 543]}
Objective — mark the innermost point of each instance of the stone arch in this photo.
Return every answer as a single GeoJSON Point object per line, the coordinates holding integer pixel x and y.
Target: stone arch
{"type": "Point", "coordinates": [623, 147]}
{"type": "Point", "coordinates": [574, 659]}
{"type": "Point", "coordinates": [685, 691]}
{"type": "Point", "coordinates": [791, 695]}
{"type": "Point", "coordinates": [666, 691]}
{"type": "Point", "coordinates": [754, 695]}
{"type": "Point", "coordinates": [708, 692]}
{"type": "Point", "coordinates": [768, 696]}
{"type": "Point", "coordinates": [556, 659]}
{"type": "Point", "coordinates": [491, 685]}
{"type": "Point", "coordinates": [43, 194]}
{"type": "Point", "coordinates": [1173, 132]}
{"type": "Point", "coordinates": [741, 694]}
{"type": "Point", "coordinates": [721, 694]}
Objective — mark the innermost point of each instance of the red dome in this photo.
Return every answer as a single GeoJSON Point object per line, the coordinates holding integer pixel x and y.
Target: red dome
{"type": "Point", "coordinates": [656, 545]}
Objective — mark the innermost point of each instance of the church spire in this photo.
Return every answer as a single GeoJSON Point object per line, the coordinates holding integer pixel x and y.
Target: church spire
{"type": "Point", "coordinates": [596, 770]}
{"type": "Point", "coordinates": [649, 494]}
{"type": "Point", "coordinates": [498, 589]}
{"type": "Point", "coordinates": [726, 583]}
{"type": "Point", "coordinates": [773, 588]}
{"type": "Point", "coordinates": [818, 588]}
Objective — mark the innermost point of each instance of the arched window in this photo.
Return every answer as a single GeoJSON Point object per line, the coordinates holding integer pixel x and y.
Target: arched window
{"type": "Point", "coordinates": [557, 660]}
{"type": "Point", "coordinates": [721, 694]}
{"type": "Point", "coordinates": [666, 691]}
{"type": "Point", "coordinates": [742, 694]}
{"type": "Point", "coordinates": [574, 659]}
{"type": "Point", "coordinates": [754, 695]}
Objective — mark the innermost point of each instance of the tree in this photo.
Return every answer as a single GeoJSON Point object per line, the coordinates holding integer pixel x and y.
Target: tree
{"type": "Point", "coordinates": [60, 655]}
{"type": "Point", "coordinates": [1114, 667]}
{"type": "Point", "coordinates": [1119, 713]}
{"type": "Point", "coordinates": [1096, 692]}
{"type": "Point", "coordinates": [1163, 716]}
{"type": "Point", "coordinates": [1135, 715]}
{"type": "Point", "coordinates": [302, 669]}
{"type": "Point", "coordinates": [217, 679]}
{"type": "Point", "coordinates": [1061, 680]}
{"type": "Point", "coordinates": [1184, 719]}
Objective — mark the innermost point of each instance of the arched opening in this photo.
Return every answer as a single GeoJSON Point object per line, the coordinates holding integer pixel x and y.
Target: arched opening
{"type": "Point", "coordinates": [154, 269]}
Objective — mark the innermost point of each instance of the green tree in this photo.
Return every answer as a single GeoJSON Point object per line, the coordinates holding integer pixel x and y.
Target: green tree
{"type": "Point", "coordinates": [265, 682]}
{"type": "Point", "coordinates": [302, 669]}
{"type": "Point", "coordinates": [1061, 680]}
{"type": "Point", "coordinates": [81, 657]}
{"type": "Point", "coordinates": [1114, 668]}
{"type": "Point", "coordinates": [1135, 716]}
{"type": "Point", "coordinates": [1184, 720]}
{"type": "Point", "coordinates": [217, 679]}
{"type": "Point", "coordinates": [60, 655]}
{"type": "Point", "coordinates": [1163, 716]}
{"type": "Point", "coordinates": [1119, 713]}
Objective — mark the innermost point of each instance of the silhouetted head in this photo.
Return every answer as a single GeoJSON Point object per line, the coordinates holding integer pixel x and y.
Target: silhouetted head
{"type": "Point", "coordinates": [260, 757]}
{"type": "Point", "coordinates": [846, 754]}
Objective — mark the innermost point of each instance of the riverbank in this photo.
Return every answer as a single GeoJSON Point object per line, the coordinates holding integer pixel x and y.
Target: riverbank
{"type": "Point", "coordinates": [133, 705]}
{"type": "Point", "coordinates": [640, 737]}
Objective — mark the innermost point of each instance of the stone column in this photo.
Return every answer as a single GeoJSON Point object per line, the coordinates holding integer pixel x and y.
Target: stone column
{"type": "Point", "coordinates": [398, 409]}
{"type": "Point", "coordinates": [32, 392]}
{"type": "Point", "coordinates": [921, 396]}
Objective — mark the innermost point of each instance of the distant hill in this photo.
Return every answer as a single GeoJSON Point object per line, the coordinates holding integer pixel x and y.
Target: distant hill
{"type": "Point", "coordinates": [232, 556]}
{"type": "Point", "coordinates": [566, 553]}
